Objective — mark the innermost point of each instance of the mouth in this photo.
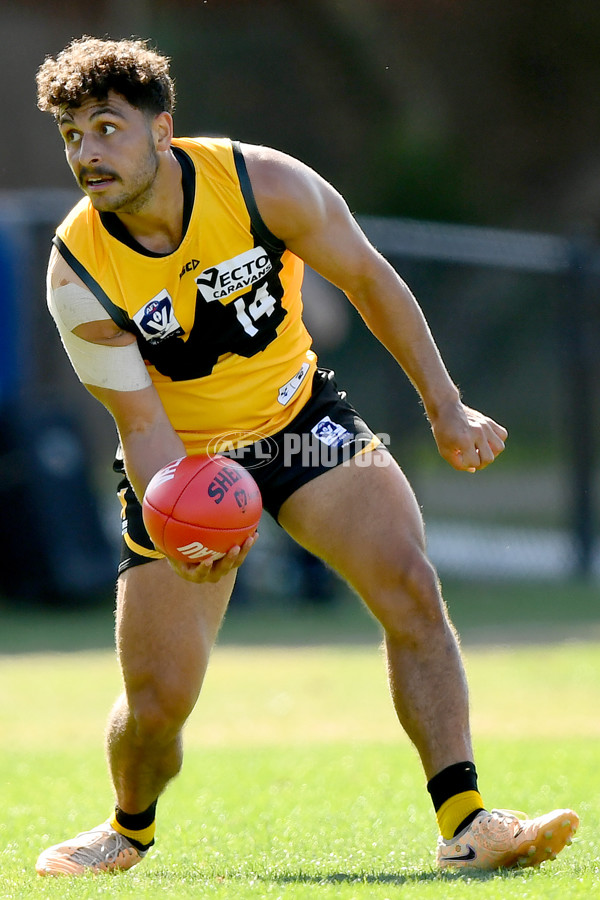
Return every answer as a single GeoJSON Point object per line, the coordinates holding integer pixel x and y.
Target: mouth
{"type": "Point", "coordinates": [96, 182]}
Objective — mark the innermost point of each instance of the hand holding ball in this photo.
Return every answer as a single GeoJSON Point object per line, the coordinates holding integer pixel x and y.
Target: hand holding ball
{"type": "Point", "coordinates": [198, 507]}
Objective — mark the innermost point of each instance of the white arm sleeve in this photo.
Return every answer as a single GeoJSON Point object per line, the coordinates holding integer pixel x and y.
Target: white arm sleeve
{"type": "Point", "coordinates": [100, 365]}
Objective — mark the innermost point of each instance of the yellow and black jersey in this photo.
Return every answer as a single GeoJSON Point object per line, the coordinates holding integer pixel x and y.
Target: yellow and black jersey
{"type": "Point", "coordinates": [219, 320]}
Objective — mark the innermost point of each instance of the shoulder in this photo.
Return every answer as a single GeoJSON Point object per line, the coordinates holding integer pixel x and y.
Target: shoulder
{"type": "Point", "coordinates": [60, 272]}
{"type": "Point", "coordinates": [277, 176]}
{"type": "Point", "coordinates": [291, 196]}
{"type": "Point", "coordinates": [75, 308]}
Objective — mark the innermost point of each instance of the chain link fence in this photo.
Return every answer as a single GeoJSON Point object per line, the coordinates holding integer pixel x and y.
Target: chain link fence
{"type": "Point", "coordinates": [516, 317]}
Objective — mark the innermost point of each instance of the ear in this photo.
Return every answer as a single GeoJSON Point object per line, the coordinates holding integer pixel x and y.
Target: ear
{"type": "Point", "coordinates": [162, 129]}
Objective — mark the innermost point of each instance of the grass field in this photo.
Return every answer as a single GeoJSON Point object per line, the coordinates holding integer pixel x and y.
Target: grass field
{"type": "Point", "coordinates": [297, 781]}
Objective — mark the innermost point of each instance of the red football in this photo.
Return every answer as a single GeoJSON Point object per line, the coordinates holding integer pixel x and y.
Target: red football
{"type": "Point", "coordinates": [199, 507]}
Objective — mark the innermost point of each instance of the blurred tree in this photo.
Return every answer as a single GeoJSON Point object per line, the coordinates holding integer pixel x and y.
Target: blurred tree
{"type": "Point", "coordinates": [430, 109]}
{"type": "Point", "coordinates": [425, 108]}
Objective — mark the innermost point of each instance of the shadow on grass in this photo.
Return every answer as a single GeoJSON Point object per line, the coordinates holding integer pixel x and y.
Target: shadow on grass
{"type": "Point", "coordinates": [397, 879]}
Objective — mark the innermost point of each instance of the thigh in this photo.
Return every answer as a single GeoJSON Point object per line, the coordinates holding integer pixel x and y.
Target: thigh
{"type": "Point", "coordinates": [166, 628]}
{"type": "Point", "coordinates": [362, 518]}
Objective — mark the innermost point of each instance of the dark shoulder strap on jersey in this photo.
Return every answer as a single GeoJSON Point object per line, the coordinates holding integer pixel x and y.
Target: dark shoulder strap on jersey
{"type": "Point", "coordinates": [267, 237]}
{"type": "Point", "coordinates": [118, 315]}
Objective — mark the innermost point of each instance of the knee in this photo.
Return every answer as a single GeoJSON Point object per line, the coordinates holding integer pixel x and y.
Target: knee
{"type": "Point", "coordinates": [159, 711]}
{"type": "Point", "coordinates": [407, 599]}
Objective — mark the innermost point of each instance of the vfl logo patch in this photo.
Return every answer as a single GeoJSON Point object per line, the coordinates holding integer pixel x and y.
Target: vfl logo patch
{"type": "Point", "coordinates": [156, 320]}
{"type": "Point", "coordinates": [196, 550]}
{"type": "Point", "coordinates": [234, 276]}
{"type": "Point", "coordinates": [331, 433]}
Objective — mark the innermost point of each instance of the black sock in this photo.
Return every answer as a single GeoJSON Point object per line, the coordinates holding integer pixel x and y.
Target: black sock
{"type": "Point", "coordinates": [451, 781]}
{"type": "Point", "coordinates": [140, 822]}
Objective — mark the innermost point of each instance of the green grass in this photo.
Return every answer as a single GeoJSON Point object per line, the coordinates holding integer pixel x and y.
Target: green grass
{"type": "Point", "coordinates": [349, 820]}
{"type": "Point", "coordinates": [297, 781]}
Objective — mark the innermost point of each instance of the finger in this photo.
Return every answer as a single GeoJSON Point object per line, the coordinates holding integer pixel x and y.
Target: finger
{"type": "Point", "coordinates": [490, 448]}
{"type": "Point", "coordinates": [464, 462]}
{"type": "Point", "coordinates": [215, 570]}
{"type": "Point", "coordinates": [478, 419]}
{"type": "Point", "coordinates": [495, 435]}
{"type": "Point", "coordinates": [234, 557]}
{"type": "Point", "coordinates": [211, 570]}
{"type": "Point", "coordinates": [501, 431]}
{"type": "Point", "coordinates": [486, 454]}
{"type": "Point", "coordinates": [247, 546]}
{"type": "Point", "coordinates": [196, 572]}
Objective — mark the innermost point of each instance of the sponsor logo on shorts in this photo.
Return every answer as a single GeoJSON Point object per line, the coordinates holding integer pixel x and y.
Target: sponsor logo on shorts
{"type": "Point", "coordinates": [330, 433]}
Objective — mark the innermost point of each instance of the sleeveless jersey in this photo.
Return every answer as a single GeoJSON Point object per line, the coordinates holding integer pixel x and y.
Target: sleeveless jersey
{"type": "Point", "coordinates": [219, 320]}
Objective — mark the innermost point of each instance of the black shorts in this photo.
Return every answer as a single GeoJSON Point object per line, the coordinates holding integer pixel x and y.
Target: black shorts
{"type": "Point", "coordinates": [326, 433]}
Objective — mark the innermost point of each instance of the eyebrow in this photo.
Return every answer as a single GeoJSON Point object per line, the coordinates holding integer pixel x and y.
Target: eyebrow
{"type": "Point", "coordinates": [67, 116]}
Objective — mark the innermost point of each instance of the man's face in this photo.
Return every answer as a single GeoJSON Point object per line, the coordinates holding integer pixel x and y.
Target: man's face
{"type": "Point", "coordinates": [111, 151]}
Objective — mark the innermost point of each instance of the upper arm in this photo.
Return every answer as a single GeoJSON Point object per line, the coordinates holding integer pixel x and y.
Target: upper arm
{"type": "Point", "coordinates": [313, 219]}
{"type": "Point", "coordinates": [101, 353]}
{"type": "Point", "coordinates": [84, 315]}
{"type": "Point", "coordinates": [111, 367]}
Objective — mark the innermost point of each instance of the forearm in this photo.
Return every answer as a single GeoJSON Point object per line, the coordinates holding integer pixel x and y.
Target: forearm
{"type": "Point", "coordinates": [147, 451]}
{"type": "Point", "coordinates": [148, 439]}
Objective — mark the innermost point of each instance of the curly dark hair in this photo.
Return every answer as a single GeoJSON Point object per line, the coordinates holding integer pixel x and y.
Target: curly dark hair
{"type": "Point", "coordinates": [91, 67]}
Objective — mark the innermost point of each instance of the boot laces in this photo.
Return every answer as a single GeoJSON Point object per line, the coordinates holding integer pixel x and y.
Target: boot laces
{"type": "Point", "coordinates": [105, 849]}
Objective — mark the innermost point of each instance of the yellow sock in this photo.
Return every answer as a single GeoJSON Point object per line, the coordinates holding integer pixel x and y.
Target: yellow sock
{"type": "Point", "coordinates": [144, 836]}
{"type": "Point", "coordinates": [455, 810]}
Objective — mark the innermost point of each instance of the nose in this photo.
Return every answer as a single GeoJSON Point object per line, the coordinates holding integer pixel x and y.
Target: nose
{"type": "Point", "coordinates": [89, 150]}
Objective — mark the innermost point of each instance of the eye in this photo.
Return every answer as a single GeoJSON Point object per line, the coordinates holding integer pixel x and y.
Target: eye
{"type": "Point", "coordinates": [106, 128]}
{"type": "Point", "coordinates": [71, 137]}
